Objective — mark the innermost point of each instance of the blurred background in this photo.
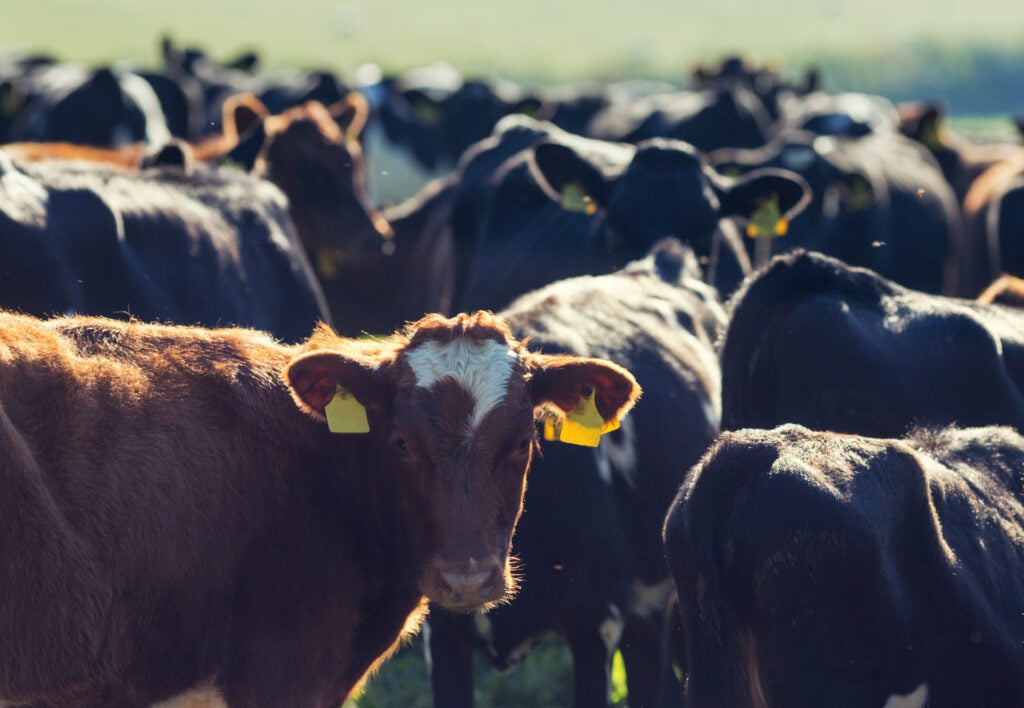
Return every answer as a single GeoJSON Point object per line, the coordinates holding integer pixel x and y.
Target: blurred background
{"type": "Point", "coordinates": [968, 53]}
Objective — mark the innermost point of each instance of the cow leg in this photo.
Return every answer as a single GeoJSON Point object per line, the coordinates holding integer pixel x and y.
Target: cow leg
{"type": "Point", "coordinates": [450, 660]}
{"type": "Point", "coordinates": [649, 675]}
{"type": "Point", "coordinates": [592, 647]}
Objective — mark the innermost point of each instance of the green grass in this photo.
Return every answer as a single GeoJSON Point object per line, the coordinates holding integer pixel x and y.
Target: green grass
{"type": "Point", "coordinates": [544, 680]}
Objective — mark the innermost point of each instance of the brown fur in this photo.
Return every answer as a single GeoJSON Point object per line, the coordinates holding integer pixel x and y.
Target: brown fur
{"type": "Point", "coordinates": [1006, 290]}
{"type": "Point", "coordinates": [171, 519]}
{"type": "Point", "coordinates": [980, 261]}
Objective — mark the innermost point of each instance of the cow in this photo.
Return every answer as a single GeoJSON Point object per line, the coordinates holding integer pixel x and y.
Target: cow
{"type": "Point", "coordinates": [816, 568]}
{"type": "Point", "coordinates": [312, 154]}
{"type": "Point", "coordinates": [198, 245]}
{"type": "Point", "coordinates": [535, 204]}
{"type": "Point", "coordinates": [76, 104]}
{"type": "Point", "coordinates": [814, 341]}
{"type": "Point", "coordinates": [766, 82]}
{"type": "Point", "coordinates": [962, 160]}
{"type": "Point", "coordinates": [880, 201]}
{"type": "Point", "coordinates": [588, 545]}
{"type": "Point", "coordinates": [213, 513]}
{"type": "Point", "coordinates": [728, 114]}
{"type": "Point", "coordinates": [993, 234]}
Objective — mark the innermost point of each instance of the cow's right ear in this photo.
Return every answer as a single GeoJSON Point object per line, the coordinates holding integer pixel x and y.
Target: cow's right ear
{"type": "Point", "coordinates": [350, 113]}
{"type": "Point", "coordinates": [567, 178]}
{"type": "Point", "coordinates": [589, 394]}
{"type": "Point", "coordinates": [318, 378]}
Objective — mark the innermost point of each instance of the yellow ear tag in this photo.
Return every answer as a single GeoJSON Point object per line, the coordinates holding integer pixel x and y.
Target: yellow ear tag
{"type": "Point", "coordinates": [345, 414]}
{"type": "Point", "coordinates": [767, 221]}
{"type": "Point", "coordinates": [583, 425]}
{"type": "Point", "coordinates": [575, 198]}
{"type": "Point", "coordinates": [326, 266]}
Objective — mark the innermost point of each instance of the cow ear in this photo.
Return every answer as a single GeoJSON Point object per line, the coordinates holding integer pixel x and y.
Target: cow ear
{"type": "Point", "coordinates": [923, 123]}
{"type": "Point", "coordinates": [592, 394]}
{"type": "Point", "coordinates": [766, 195]}
{"type": "Point", "coordinates": [242, 115]}
{"type": "Point", "coordinates": [350, 113]}
{"type": "Point", "coordinates": [567, 178]}
{"type": "Point", "coordinates": [242, 119]}
{"type": "Point", "coordinates": [326, 381]}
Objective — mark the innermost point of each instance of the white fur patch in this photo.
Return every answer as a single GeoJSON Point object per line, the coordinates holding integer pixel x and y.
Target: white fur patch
{"type": "Point", "coordinates": [482, 368]}
{"type": "Point", "coordinates": [916, 699]}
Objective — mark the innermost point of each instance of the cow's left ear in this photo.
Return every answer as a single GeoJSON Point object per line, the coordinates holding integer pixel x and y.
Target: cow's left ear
{"type": "Point", "coordinates": [334, 387]}
{"type": "Point", "coordinates": [567, 178]}
{"type": "Point", "coordinates": [579, 387]}
{"type": "Point", "coordinates": [783, 193]}
{"type": "Point", "coordinates": [350, 113]}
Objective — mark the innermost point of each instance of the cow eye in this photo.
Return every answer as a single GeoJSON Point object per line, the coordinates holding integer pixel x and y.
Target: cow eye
{"type": "Point", "coordinates": [524, 444]}
{"type": "Point", "coordinates": [400, 444]}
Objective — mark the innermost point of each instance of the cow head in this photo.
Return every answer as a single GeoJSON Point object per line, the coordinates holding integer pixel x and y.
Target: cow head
{"type": "Point", "coordinates": [667, 189]}
{"type": "Point", "coordinates": [451, 407]}
{"type": "Point", "coordinates": [313, 154]}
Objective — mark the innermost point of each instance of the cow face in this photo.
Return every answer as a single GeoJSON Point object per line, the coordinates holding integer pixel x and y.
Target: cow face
{"type": "Point", "coordinates": [452, 415]}
{"type": "Point", "coordinates": [665, 190]}
{"type": "Point", "coordinates": [312, 153]}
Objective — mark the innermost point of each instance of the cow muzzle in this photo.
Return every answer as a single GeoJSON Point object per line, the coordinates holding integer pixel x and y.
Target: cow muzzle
{"type": "Point", "coordinates": [466, 586]}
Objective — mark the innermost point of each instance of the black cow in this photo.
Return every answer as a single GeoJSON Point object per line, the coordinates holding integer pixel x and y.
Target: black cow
{"type": "Point", "coordinates": [199, 246]}
{"type": "Point", "coordinates": [814, 341]}
{"type": "Point", "coordinates": [588, 544]}
{"type": "Point", "coordinates": [880, 201]}
{"type": "Point", "coordinates": [822, 569]}
{"type": "Point", "coordinates": [727, 115]}
{"type": "Point", "coordinates": [535, 204]}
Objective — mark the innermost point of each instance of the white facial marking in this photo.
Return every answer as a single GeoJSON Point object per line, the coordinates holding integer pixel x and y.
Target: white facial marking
{"type": "Point", "coordinates": [482, 368]}
{"type": "Point", "coordinates": [916, 699]}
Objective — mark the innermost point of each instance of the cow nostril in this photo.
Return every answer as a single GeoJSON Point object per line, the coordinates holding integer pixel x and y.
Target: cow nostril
{"type": "Point", "coordinates": [466, 583]}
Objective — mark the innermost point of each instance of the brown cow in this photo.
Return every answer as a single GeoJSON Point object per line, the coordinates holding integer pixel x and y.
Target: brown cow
{"type": "Point", "coordinates": [178, 522]}
{"type": "Point", "coordinates": [986, 254]}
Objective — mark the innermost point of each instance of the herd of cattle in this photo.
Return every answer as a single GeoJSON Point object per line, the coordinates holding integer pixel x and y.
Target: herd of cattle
{"type": "Point", "coordinates": [214, 491]}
